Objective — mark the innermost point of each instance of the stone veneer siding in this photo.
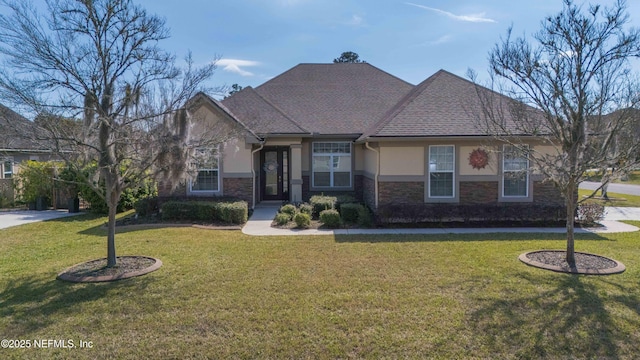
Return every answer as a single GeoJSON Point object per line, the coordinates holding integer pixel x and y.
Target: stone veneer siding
{"type": "Point", "coordinates": [398, 192]}
{"type": "Point", "coordinates": [240, 188]}
{"type": "Point", "coordinates": [479, 192]}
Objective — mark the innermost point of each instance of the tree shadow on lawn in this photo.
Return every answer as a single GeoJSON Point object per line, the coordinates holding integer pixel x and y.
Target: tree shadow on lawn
{"type": "Point", "coordinates": [562, 316]}
{"type": "Point", "coordinates": [464, 237]}
{"type": "Point", "coordinates": [28, 304]}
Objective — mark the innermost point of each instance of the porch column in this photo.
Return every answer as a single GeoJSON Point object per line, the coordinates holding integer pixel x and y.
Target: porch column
{"type": "Point", "coordinates": [296, 173]}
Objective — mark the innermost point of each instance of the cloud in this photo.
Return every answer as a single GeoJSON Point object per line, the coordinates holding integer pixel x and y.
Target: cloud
{"type": "Point", "coordinates": [477, 18]}
{"type": "Point", "coordinates": [355, 20]}
{"type": "Point", "coordinates": [236, 65]}
{"type": "Point", "coordinates": [441, 40]}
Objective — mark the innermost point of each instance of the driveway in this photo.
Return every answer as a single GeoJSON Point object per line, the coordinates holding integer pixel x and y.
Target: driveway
{"type": "Point", "coordinates": [614, 188]}
{"type": "Point", "coordinates": [21, 217]}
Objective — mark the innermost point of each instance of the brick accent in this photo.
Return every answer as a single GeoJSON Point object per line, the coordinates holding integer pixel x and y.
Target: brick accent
{"type": "Point", "coordinates": [546, 192]}
{"type": "Point", "coordinates": [411, 192]}
{"type": "Point", "coordinates": [369, 192]}
{"type": "Point", "coordinates": [356, 193]}
{"type": "Point", "coordinates": [479, 192]}
{"type": "Point", "coordinates": [240, 188]}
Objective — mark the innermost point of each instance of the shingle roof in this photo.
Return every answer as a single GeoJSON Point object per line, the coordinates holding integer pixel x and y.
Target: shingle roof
{"type": "Point", "coordinates": [18, 133]}
{"type": "Point", "coordinates": [343, 98]}
{"type": "Point", "coordinates": [226, 110]}
{"type": "Point", "coordinates": [260, 115]}
{"type": "Point", "coordinates": [442, 105]}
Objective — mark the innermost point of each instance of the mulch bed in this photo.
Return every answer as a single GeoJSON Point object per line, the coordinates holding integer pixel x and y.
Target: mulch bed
{"type": "Point", "coordinates": [97, 270]}
{"type": "Point", "coordinates": [588, 264]}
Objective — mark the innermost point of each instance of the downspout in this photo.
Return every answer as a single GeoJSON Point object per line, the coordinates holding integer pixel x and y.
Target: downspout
{"type": "Point", "coordinates": [375, 184]}
{"type": "Point", "coordinates": [253, 173]}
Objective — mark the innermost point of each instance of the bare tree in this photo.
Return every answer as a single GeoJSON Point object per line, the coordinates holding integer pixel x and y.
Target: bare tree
{"type": "Point", "coordinates": [576, 93]}
{"type": "Point", "coordinates": [106, 93]}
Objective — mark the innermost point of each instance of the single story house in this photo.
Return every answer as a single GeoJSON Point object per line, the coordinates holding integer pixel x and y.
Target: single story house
{"type": "Point", "coordinates": [351, 128]}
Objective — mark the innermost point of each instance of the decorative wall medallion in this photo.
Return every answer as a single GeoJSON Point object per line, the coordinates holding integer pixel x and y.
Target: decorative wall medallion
{"type": "Point", "coordinates": [478, 159]}
{"type": "Point", "coordinates": [270, 166]}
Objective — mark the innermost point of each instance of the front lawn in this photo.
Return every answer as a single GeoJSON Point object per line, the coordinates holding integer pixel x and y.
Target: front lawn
{"type": "Point", "coordinates": [622, 200]}
{"type": "Point", "coordinates": [222, 294]}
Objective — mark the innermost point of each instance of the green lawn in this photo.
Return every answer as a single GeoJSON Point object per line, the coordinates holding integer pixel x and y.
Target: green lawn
{"type": "Point", "coordinates": [616, 199]}
{"type": "Point", "coordinates": [221, 294]}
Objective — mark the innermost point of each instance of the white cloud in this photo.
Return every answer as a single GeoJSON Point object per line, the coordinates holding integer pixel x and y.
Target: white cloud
{"type": "Point", "coordinates": [441, 40]}
{"type": "Point", "coordinates": [236, 65]}
{"type": "Point", "coordinates": [468, 18]}
{"type": "Point", "coordinates": [355, 20]}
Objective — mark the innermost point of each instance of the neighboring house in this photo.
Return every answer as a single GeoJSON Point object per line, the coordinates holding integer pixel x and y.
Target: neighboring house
{"type": "Point", "coordinates": [17, 147]}
{"type": "Point", "coordinates": [353, 128]}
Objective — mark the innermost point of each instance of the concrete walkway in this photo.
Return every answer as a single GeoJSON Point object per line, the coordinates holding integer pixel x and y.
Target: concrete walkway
{"type": "Point", "coordinates": [260, 225]}
{"type": "Point", "coordinates": [21, 217]}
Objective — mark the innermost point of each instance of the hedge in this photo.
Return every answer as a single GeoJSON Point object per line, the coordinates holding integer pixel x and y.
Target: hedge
{"type": "Point", "coordinates": [228, 212]}
{"type": "Point", "coordinates": [350, 212]}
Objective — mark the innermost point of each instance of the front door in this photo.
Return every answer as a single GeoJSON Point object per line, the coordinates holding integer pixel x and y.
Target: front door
{"type": "Point", "coordinates": [274, 163]}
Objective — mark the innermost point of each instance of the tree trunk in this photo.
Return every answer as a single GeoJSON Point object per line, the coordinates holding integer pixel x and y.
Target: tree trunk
{"type": "Point", "coordinates": [111, 234]}
{"type": "Point", "coordinates": [571, 211]}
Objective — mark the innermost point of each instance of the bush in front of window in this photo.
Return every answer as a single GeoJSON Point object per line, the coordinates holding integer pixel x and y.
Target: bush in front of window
{"type": "Point", "coordinates": [321, 203]}
{"type": "Point", "coordinates": [147, 206]}
{"type": "Point", "coordinates": [303, 220]}
{"type": "Point", "coordinates": [228, 212]}
{"type": "Point", "coordinates": [350, 212]}
{"type": "Point", "coordinates": [233, 213]}
{"type": "Point", "coordinates": [288, 209]}
{"type": "Point", "coordinates": [331, 218]}
{"type": "Point", "coordinates": [189, 210]}
{"type": "Point", "coordinates": [365, 218]}
{"type": "Point", "coordinates": [344, 199]}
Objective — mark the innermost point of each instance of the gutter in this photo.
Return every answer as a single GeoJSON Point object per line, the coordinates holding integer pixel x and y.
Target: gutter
{"type": "Point", "coordinates": [377, 175]}
{"type": "Point", "coordinates": [253, 174]}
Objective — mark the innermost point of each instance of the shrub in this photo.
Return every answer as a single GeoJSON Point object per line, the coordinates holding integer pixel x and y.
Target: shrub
{"type": "Point", "coordinates": [303, 220]}
{"type": "Point", "coordinates": [35, 180]}
{"type": "Point", "coordinates": [590, 213]}
{"type": "Point", "coordinates": [321, 202]}
{"type": "Point", "coordinates": [350, 212]}
{"type": "Point", "coordinates": [365, 219]}
{"type": "Point", "coordinates": [282, 218]}
{"type": "Point", "coordinates": [147, 206]}
{"type": "Point", "coordinates": [330, 217]}
{"type": "Point", "coordinates": [306, 209]}
{"type": "Point", "coordinates": [288, 209]}
{"type": "Point", "coordinates": [232, 212]}
{"type": "Point", "coordinates": [344, 199]}
{"type": "Point", "coordinates": [189, 210]}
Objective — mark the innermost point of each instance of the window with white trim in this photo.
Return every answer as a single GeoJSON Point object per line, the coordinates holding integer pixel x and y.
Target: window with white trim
{"type": "Point", "coordinates": [515, 174]}
{"type": "Point", "coordinates": [331, 164]}
{"type": "Point", "coordinates": [208, 178]}
{"type": "Point", "coordinates": [441, 171]}
{"type": "Point", "coordinates": [7, 169]}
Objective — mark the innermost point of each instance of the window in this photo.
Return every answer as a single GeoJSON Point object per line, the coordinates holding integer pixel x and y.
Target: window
{"type": "Point", "coordinates": [7, 169]}
{"type": "Point", "coordinates": [331, 164]}
{"type": "Point", "coordinates": [441, 170]}
{"type": "Point", "coordinates": [515, 177]}
{"type": "Point", "coordinates": [208, 178]}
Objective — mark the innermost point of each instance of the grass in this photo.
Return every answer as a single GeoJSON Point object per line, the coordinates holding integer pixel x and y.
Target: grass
{"type": "Point", "coordinates": [633, 178]}
{"type": "Point", "coordinates": [623, 200]}
{"type": "Point", "coordinates": [226, 295]}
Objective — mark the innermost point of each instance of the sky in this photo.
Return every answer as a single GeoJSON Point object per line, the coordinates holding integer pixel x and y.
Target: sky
{"type": "Point", "coordinates": [256, 40]}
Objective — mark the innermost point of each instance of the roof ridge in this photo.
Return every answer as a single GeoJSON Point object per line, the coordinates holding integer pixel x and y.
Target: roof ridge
{"type": "Point", "coordinates": [280, 111]}
{"type": "Point", "coordinates": [401, 105]}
